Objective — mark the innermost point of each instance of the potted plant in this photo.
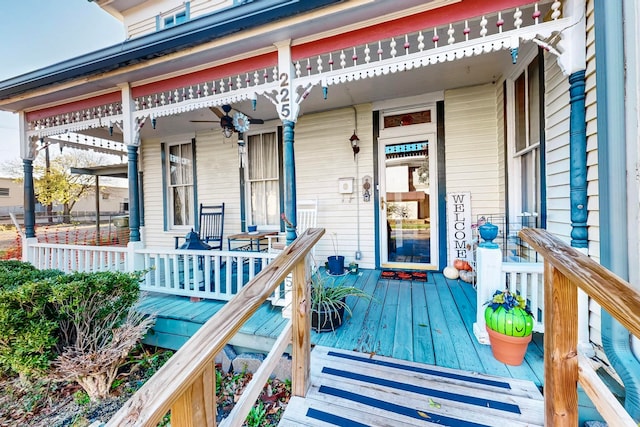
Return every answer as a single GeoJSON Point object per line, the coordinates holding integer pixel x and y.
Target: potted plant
{"type": "Point", "coordinates": [509, 325]}
{"type": "Point", "coordinates": [335, 263]}
{"type": "Point", "coordinates": [328, 301]}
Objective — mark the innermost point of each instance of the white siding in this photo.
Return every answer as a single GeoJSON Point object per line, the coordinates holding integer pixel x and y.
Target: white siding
{"type": "Point", "coordinates": [217, 181]}
{"type": "Point", "coordinates": [593, 204]}
{"type": "Point", "coordinates": [323, 154]}
{"type": "Point", "coordinates": [557, 112]}
{"type": "Point", "coordinates": [150, 164]}
{"type": "Point", "coordinates": [474, 146]}
{"type": "Point", "coordinates": [141, 20]}
{"type": "Point", "coordinates": [500, 134]}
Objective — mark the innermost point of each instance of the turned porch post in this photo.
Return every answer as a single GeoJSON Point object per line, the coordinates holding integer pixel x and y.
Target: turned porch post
{"type": "Point", "coordinates": [28, 154]}
{"type": "Point", "coordinates": [131, 136]}
{"type": "Point", "coordinates": [289, 181]}
{"type": "Point", "coordinates": [288, 109]}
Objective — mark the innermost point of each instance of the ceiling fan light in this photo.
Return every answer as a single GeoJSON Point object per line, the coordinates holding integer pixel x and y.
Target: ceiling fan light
{"type": "Point", "coordinates": [227, 131]}
{"type": "Point", "coordinates": [226, 123]}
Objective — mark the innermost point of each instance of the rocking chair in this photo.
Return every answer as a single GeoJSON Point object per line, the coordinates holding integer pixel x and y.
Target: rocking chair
{"type": "Point", "coordinates": [211, 226]}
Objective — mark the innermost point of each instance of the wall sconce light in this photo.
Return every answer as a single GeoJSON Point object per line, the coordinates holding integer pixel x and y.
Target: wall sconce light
{"type": "Point", "coordinates": [354, 140]}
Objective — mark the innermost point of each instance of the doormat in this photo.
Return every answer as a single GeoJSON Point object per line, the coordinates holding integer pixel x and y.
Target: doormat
{"type": "Point", "coordinates": [419, 276]}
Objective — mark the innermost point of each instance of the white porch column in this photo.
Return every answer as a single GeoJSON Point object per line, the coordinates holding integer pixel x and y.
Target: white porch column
{"type": "Point", "coordinates": [489, 269]}
{"type": "Point", "coordinates": [28, 153]}
{"type": "Point", "coordinates": [131, 137]}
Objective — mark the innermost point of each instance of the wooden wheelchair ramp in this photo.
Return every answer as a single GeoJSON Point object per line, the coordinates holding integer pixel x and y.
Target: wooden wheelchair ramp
{"type": "Point", "coordinates": [359, 389]}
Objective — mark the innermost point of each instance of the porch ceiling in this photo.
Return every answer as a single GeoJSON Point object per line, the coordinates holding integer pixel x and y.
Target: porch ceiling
{"type": "Point", "coordinates": [472, 71]}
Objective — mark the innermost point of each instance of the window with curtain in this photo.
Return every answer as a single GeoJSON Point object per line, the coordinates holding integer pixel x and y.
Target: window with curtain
{"type": "Point", "coordinates": [527, 160]}
{"type": "Point", "coordinates": [263, 180]}
{"type": "Point", "coordinates": [179, 181]}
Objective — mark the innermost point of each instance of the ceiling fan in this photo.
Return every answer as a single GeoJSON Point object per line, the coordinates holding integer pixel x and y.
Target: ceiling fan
{"type": "Point", "coordinates": [239, 122]}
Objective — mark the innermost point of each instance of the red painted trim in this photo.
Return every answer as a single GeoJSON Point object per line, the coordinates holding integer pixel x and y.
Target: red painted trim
{"type": "Point", "coordinates": [426, 20]}
{"type": "Point", "coordinates": [74, 106]}
{"type": "Point", "coordinates": [268, 60]}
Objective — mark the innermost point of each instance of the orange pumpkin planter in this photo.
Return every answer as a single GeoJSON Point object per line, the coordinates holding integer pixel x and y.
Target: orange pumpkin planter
{"type": "Point", "coordinates": [461, 264]}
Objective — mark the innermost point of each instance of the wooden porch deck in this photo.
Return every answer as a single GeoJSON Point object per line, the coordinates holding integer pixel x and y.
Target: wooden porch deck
{"type": "Point", "coordinates": [423, 322]}
{"type": "Point", "coordinates": [427, 322]}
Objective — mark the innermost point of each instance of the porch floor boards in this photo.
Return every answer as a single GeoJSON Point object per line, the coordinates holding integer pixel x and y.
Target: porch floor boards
{"type": "Point", "coordinates": [355, 389]}
{"type": "Point", "coordinates": [427, 322]}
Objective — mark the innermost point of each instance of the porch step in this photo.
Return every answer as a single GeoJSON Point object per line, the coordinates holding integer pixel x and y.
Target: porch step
{"type": "Point", "coordinates": [360, 389]}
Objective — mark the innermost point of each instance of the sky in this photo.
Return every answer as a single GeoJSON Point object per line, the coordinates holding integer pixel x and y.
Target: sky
{"type": "Point", "coordinates": [37, 33]}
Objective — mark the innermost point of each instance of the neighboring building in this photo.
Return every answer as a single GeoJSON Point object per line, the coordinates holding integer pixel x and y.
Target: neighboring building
{"type": "Point", "coordinates": [410, 121]}
{"type": "Point", "coordinates": [112, 200]}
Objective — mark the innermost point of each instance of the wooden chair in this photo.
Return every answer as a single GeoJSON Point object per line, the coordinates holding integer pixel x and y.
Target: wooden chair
{"type": "Point", "coordinates": [306, 217]}
{"type": "Point", "coordinates": [211, 228]}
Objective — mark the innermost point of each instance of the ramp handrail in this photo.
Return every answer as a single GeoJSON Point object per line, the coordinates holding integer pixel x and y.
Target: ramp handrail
{"type": "Point", "coordinates": [566, 270]}
{"type": "Point", "coordinates": [186, 383]}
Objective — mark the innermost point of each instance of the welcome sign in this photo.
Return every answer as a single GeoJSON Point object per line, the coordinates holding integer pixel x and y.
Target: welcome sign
{"type": "Point", "coordinates": [459, 226]}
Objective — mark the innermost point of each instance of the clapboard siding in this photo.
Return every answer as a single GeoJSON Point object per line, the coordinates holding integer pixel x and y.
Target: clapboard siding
{"type": "Point", "coordinates": [474, 146]}
{"type": "Point", "coordinates": [217, 181]}
{"type": "Point", "coordinates": [323, 155]}
{"type": "Point", "coordinates": [500, 134]}
{"type": "Point", "coordinates": [141, 20]}
{"type": "Point", "coordinates": [150, 165]}
{"type": "Point", "coordinates": [557, 149]}
{"type": "Point", "coordinates": [592, 137]}
{"type": "Point", "coordinates": [322, 158]}
{"type": "Point", "coordinates": [593, 202]}
{"type": "Point", "coordinates": [219, 176]}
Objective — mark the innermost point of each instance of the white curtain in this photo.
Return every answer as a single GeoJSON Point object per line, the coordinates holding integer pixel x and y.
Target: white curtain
{"type": "Point", "coordinates": [263, 179]}
{"type": "Point", "coordinates": [181, 183]}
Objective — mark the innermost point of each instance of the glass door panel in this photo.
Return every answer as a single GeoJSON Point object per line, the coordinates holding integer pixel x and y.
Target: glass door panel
{"type": "Point", "coordinates": [408, 188]}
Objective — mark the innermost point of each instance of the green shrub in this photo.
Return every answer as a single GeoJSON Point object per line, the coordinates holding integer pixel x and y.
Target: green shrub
{"type": "Point", "coordinates": [98, 327]}
{"type": "Point", "coordinates": [89, 305]}
{"type": "Point", "coordinates": [16, 273]}
{"type": "Point", "coordinates": [27, 322]}
{"type": "Point", "coordinates": [27, 328]}
{"type": "Point", "coordinates": [43, 312]}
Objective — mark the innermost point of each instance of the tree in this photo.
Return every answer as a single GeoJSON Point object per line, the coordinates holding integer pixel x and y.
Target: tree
{"type": "Point", "coordinates": [59, 186]}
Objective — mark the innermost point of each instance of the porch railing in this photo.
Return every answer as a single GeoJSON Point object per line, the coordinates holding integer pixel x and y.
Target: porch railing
{"type": "Point", "coordinates": [84, 258]}
{"type": "Point", "coordinates": [217, 275]}
{"type": "Point", "coordinates": [565, 271]}
{"type": "Point", "coordinates": [494, 274]}
{"type": "Point", "coordinates": [186, 383]}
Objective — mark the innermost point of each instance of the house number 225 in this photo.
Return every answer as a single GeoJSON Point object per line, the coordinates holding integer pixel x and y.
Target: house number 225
{"type": "Point", "coordinates": [285, 110]}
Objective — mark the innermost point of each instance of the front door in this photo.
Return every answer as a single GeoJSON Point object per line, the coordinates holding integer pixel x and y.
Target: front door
{"type": "Point", "coordinates": [408, 197]}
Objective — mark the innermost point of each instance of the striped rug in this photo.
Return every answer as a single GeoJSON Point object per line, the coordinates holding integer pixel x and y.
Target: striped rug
{"type": "Point", "coordinates": [358, 389]}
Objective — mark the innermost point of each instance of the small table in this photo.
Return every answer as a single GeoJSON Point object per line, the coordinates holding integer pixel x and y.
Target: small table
{"type": "Point", "coordinates": [250, 241]}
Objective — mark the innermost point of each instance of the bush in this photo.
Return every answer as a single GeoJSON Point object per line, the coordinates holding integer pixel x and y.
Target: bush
{"type": "Point", "coordinates": [27, 332]}
{"type": "Point", "coordinates": [89, 305]}
{"type": "Point", "coordinates": [98, 327]}
{"type": "Point", "coordinates": [45, 315]}
{"type": "Point", "coordinates": [27, 320]}
{"type": "Point", "coordinates": [16, 273]}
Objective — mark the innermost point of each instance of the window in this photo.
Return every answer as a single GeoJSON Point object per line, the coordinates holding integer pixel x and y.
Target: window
{"type": "Point", "coordinates": [179, 178]}
{"type": "Point", "coordinates": [528, 141]}
{"type": "Point", "coordinates": [263, 180]}
{"type": "Point", "coordinates": [4, 192]}
{"type": "Point", "coordinates": [173, 17]}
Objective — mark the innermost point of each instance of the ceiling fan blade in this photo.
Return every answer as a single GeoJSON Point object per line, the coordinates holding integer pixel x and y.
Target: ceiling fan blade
{"type": "Point", "coordinates": [217, 112]}
{"type": "Point", "coordinates": [204, 121]}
